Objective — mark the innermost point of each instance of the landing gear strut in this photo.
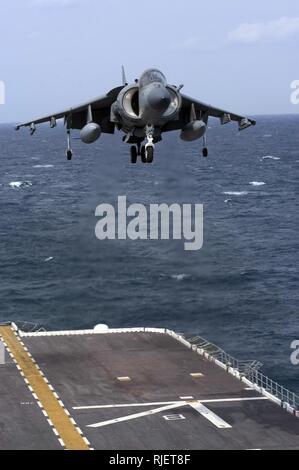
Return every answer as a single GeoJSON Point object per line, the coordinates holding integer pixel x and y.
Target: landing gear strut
{"type": "Point", "coordinates": [69, 152]}
{"type": "Point", "coordinates": [150, 147]}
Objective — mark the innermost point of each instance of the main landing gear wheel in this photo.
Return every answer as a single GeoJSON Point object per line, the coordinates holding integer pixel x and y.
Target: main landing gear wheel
{"type": "Point", "coordinates": [205, 152]}
{"type": "Point", "coordinates": [143, 157]}
{"type": "Point", "coordinates": [134, 154]}
{"type": "Point", "coordinates": [149, 154]}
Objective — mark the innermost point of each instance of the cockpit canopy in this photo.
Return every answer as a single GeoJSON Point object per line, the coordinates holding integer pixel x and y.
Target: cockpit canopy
{"type": "Point", "coordinates": [152, 76]}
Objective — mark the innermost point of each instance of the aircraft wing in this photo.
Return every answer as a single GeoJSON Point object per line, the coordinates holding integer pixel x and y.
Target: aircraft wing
{"type": "Point", "coordinates": [76, 117]}
{"type": "Point", "coordinates": [204, 111]}
{"type": "Point", "coordinates": [225, 116]}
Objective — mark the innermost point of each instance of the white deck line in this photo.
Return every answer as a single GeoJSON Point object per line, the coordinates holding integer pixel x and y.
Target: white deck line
{"type": "Point", "coordinates": [91, 332]}
{"type": "Point", "coordinates": [135, 416]}
{"type": "Point", "coordinates": [179, 403]}
{"type": "Point", "coordinates": [210, 415]}
{"type": "Point", "coordinates": [129, 405]}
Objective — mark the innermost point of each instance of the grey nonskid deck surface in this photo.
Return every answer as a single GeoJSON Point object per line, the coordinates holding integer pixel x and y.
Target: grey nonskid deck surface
{"type": "Point", "coordinates": [84, 370]}
{"type": "Point", "coordinates": [22, 425]}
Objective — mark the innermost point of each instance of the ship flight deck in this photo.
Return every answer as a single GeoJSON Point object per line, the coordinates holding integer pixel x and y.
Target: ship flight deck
{"type": "Point", "coordinates": [137, 389]}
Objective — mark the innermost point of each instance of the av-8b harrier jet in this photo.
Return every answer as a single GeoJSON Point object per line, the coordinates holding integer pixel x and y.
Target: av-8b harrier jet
{"type": "Point", "coordinates": [143, 110]}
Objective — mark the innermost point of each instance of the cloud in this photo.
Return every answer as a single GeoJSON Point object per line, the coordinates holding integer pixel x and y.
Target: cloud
{"type": "Point", "coordinates": [251, 33]}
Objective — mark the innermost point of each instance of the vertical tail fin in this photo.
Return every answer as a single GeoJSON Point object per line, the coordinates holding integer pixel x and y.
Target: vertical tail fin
{"type": "Point", "coordinates": [124, 78]}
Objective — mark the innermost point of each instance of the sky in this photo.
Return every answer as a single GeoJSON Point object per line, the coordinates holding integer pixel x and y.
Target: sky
{"type": "Point", "coordinates": [241, 56]}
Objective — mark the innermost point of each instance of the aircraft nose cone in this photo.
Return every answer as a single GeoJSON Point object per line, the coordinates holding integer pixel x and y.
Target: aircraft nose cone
{"type": "Point", "coordinates": [159, 99]}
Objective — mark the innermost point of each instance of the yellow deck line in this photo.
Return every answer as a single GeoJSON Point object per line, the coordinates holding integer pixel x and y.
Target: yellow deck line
{"type": "Point", "coordinates": [61, 422]}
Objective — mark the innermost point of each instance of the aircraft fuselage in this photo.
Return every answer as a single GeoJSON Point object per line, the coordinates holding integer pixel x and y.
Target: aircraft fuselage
{"type": "Point", "coordinates": [149, 102]}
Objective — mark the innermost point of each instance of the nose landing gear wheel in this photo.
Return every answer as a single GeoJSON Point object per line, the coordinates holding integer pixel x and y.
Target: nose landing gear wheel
{"type": "Point", "coordinates": [149, 154]}
{"type": "Point", "coordinates": [134, 154]}
{"type": "Point", "coordinates": [205, 152]}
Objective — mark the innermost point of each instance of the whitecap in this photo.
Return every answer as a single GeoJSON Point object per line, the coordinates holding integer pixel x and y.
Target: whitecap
{"type": "Point", "coordinates": [20, 184]}
{"type": "Point", "coordinates": [180, 277]}
{"type": "Point", "coordinates": [267, 136]}
{"type": "Point", "coordinates": [270, 157]}
{"type": "Point", "coordinates": [257, 183]}
{"type": "Point", "coordinates": [236, 193]}
{"type": "Point", "coordinates": [43, 166]}
{"type": "Point", "coordinates": [48, 259]}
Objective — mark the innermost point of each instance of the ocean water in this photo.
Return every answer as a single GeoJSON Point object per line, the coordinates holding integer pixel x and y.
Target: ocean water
{"type": "Point", "coordinates": [240, 291]}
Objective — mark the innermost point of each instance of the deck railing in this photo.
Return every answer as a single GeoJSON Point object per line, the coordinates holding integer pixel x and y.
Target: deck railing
{"type": "Point", "coordinates": [249, 370]}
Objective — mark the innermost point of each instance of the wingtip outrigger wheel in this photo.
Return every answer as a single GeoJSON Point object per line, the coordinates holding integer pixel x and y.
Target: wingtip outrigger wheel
{"type": "Point", "coordinates": [205, 150]}
{"type": "Point", "coordinates": [69, 152]}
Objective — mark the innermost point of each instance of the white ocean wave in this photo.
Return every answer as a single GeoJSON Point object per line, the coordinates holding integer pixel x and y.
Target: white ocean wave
{"type": "Point", "coordinates": [267, 136]}
{"type": "Point", "coordinates": [20, 184]}
{"type": "Point", "coordinates": [43, 166]}
{"type": "Point", "coordinates": [257, 183]}
{"type": "Point", "coordinates": [48, 259]}
{"type": "Point", "coordinates": [180, 277]}
{"type": "Point", "coordinates": [236, 193]}
{"type": "Point", "coordinates": [270, 157]}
